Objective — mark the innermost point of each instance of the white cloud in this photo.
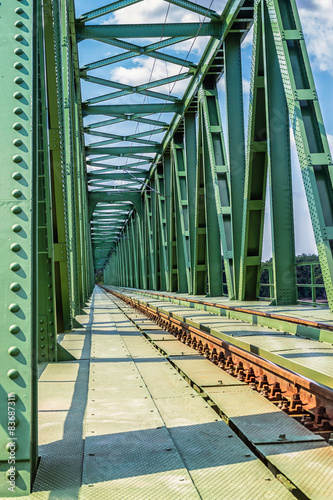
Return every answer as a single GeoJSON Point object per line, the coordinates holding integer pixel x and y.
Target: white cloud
{"type": "Point", "coordinates": [145, 70]}
{"type": "Point", "coordinates": [317, 21]}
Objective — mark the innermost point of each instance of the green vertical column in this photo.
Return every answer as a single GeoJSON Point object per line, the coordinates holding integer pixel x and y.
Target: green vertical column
{"type": "Point", "coordinates": [155, 231]}
{"type": "Point", "coordinates": [236, 144]}
{"type": "Point", "coordinates": [256, 172]}
{"type": "Point", "coordinates": [59, 214]}
{"type": "Point", "coordinates": [142, 257]}
{"type": "Point", "coordinates": [134, 252]}
{"type": "Point", "coordinates": [162, 224]}
{"type": "Point", "coordinates": [217, 192]}
{"type": "Point", "coordinates": [213, 240]}
{"type": "Point", "coordinates": [47, 339]}
{"type": "Point", "coordinates": [279, 168]}
{"type": "Point", "coordinates": [181, 212]}
{"type": "Point", "coordinates": [18, 220]}
{"type": "Point", "coordinates": [149, 242]}
{"type": "Point", "coordinates": [307, 123]}
{"type": "Point", "coordinates": [171, 243]}
{"type": "Point", "coordinates": [69, 157]}
{"type": "Point", "coordinates": [199, 270]}
{"type": "Point", "coordinates": [191, 173]}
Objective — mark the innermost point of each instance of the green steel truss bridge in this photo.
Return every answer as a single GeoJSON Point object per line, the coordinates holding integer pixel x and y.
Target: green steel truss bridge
{"type": "Point", "coordinates": [176, 207]}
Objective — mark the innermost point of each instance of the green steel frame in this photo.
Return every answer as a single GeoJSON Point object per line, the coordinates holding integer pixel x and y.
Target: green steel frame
{"type": "Point", "coordinates": [172, 206]}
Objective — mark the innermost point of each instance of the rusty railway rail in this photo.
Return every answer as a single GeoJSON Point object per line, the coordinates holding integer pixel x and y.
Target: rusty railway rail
{"type": "Point", "coordinates": [306, 401]}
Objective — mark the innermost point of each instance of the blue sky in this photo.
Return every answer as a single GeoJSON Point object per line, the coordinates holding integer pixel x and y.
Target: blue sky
{"type": "Point", "coordinates": [317, 21]}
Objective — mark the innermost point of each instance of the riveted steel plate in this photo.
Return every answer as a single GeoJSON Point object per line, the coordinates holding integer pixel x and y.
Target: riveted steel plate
{"type": "Point", "coordinates": [139, 347]}
{"type": "Point", "coordinates": [149, 327]}
{"type": "Point", "coordinates": [104, 346]}
{"type": "Point", "coordinates": [220, 464]}
{"type": "Point", "coordinates": [175, 348]}
{"type": "Point", "coordinates": [256, 417]}
{"type": "Point", "coordinates": [204, 373]}
{"type": "Point", "coordinates": [186, 410]}
{"type": "Point", "coordinates": [158, 335]}
{"type": "Point", "coordinates": [308, 465]}
{"type": "Point", "coordinates": [61, 372]}
{"type": "Point", "coordinates": [62, 395]}
{"type": "Point", "coordinates": [162, 380]}
{"type": "Point", "coordinates": [277, 343]}
{"type": "Point", "coordinates": [320, 360]}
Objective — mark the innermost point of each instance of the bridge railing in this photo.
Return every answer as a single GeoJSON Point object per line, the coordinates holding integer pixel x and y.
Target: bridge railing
{"type": "Point", "coordinates": [310, 286]}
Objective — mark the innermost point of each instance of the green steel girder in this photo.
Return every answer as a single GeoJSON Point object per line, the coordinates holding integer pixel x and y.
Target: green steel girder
{"type": "Point", "coordinates": [148, 30]}
{"type": "Point", "coordinates": [134, 118]}
{"type": "Point", "coordinates": [129, 89]}
{"type": "Point", "coordinates": [198, 9]}
{"type": "Point", "coordinates": [102, 11]}
{"type": "Point", "coordinates": [19, 246]}
{"type": "Point", "coordinates": [135, 50]}
{"type": "Point", "coordinates": [217, 192]}
{"type": "Point", "coordinates": [122, 150]}
{"type": "Point", "coordinates": [182, 214]}
{"type": "Point", "coordinates": [132, 109]}
{"type": "Point", "coordinates": [308, 127]}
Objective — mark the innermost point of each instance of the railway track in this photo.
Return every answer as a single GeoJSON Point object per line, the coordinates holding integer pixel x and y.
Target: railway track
{"type": "Point", "coordinates": [307, 402]}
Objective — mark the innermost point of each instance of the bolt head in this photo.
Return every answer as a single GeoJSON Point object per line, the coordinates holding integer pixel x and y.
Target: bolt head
{"type": "Point", "coordinates": [15, 287]}
{"type": "Point", "coordinates": [12, 374]}
{"type": "Point", "coordinates": [14, 329]}
{"type": "Point", "coordinates": [14, 351]}
{"type": "Point", "coordinates": [15, 247]}
{"type": "Point", "coordinates": [14, 308]}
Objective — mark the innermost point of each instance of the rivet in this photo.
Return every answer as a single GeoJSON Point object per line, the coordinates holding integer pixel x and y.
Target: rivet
{"type": "Point", "coordinates": [18, 111]}
{"type": "Point", "coordinates": [14, 329]}
{"type": "Point", "coordinates": [18, 80]}
{"type": "Point", "coordinates": [41, 329]}
{"type": "Point", "coordinates": [50, 322]}
{"type": "Point", "coordinates": [16, 193]}
{"type": "Point", "coordinates": [17, 126]}
{"type": "Point", "coordinates": [51, 348]}
{"type": "Point", "coordinates": [18, 65]}
{"type": "Point", "coordinates": [12, 395]}
{"type": "Point", "coordinates": [17, 95]}
{"type": "Point", "coordinates": [19, 10]}
{"type": "Point", "coordinates": [19, 38]}
{"type": "Point", "coordinates": [42, 338]}
{"type": "Point", "coordinates": [15, 247]}
{"type": "Point", "coordinates": [17, 142]}
{"type": "Point", "coordinates": [17, 159]}
{"type": "Point", "coordinates": [16, 228]}
{"type": "Point", "coordinates": [16, 209]}
{"type": "Point", "coordinates": [15, 287]}
{"type": "Point", "coordinates": [50, 310]}
{"type": "Point", "coordinates": [15, 266]}
{"type": "Point", "coordinates": [14, 308]}
{"type": "Point", "coordinates": [18, 52]}
{"type": "Point", "coordinates": [18, 24]}
{"type": "Point", "coordinates": [43, 354]}
{"type": "Point", "coordinates": [17, 176]}
{"type": "Point", "coordinates": [14, 351]}
{"type": "Point", "coordinates": [43, 346]}
{"type": "Point", "coordinates": [51, 335]}
{"type": "Point", "coordinates": [49, 298]}
{"type": "Point", "coordinates": [41, 321]}
{"type": "Point", "coordinates": [11, 446]}
{"type": "Point", "coordinates": [12, 374]}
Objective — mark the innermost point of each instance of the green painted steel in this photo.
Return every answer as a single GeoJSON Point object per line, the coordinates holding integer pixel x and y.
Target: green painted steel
{"type": "Point", "coordinates": [167, 206]}
{"type": "Point", "coordinates": [19, 213]}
